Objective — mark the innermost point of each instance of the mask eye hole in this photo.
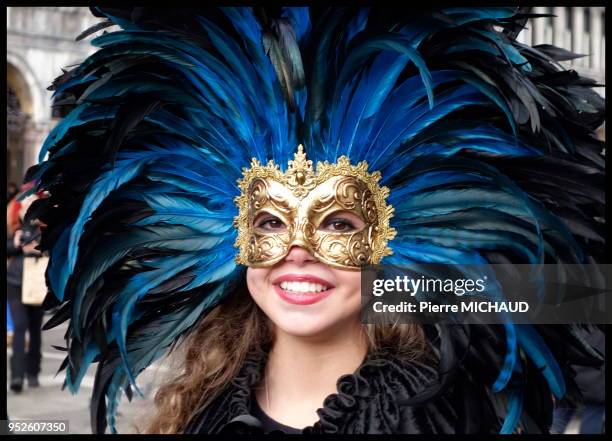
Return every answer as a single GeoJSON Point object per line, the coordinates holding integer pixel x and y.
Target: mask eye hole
{"type": "Point", "coordinates": [342, 222]}
{"type": "Point", "coordinates": [269, 223]}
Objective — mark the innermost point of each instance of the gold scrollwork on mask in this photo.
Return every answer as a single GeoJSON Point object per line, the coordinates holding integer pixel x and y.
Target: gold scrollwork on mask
{"type": "Point", "coordinates": [302, 200]}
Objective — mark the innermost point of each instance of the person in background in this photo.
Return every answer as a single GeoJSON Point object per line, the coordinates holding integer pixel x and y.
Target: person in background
{"type": "Point", "coordinates": [11, 192]}
{"type": "Point", "coordinates": [9, 326]}
{"type": "Point", "coordinates": [22, 240]}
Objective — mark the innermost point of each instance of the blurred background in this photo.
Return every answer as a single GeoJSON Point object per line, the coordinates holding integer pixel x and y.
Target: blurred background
{"type": "Point", "coordinates": [40, 42]}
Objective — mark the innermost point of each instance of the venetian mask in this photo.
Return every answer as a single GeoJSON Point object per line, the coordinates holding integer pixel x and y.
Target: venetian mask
{"type": "Point", "coordinates": [301, 201]}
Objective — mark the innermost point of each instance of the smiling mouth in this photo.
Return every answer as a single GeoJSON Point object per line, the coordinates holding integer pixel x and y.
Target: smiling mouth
{"type": "Point", "coordinates": [303, 287]}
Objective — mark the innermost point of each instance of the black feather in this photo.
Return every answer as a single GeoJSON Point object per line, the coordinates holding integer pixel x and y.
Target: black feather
{"type": "Point", "coordinates": [95, 28]}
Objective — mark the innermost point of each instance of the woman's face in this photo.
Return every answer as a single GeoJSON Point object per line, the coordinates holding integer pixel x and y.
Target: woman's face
{"type": "Point", "coordinates": [303, 296]}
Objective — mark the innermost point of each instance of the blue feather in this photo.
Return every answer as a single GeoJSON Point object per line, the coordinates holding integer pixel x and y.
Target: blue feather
{"type": "Point", "coordinates": [515, 406]}
{"type": "Point", "coordinates": [391, 42]}
{"type": "Point", "coordinates": [91, 353]}
{"type": "Point", "coordinates": [223, 267]}
{"type": "Point", "coordinates": [357, 24]}
{"type": "Point", "coordinates": [179, 322]}
{"type": "Point", "coordinates": [177, 239]}
{"type": "Point", "coordinates": [107, 183]}
{"type": "Point", "coordinates": [138, 286]}
{"type": "Point", "coordinates": [372, 90]}
{"type": "Point", "coordinates": [510, 360]}
{"type": "Point", "coordinates": [535, 347]}
{"type": "Point", "coordinates": [464, 15]}
{"type": "Point", "coordinates": [300, 19]}
{"type": "Point", "coordinates": [60, 130]}
{"type": "Point", "coordinates": [58, 271]}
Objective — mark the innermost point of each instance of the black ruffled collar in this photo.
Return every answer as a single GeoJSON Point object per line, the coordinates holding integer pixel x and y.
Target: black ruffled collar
{"type": "Point", "coordinates": [365, 402]}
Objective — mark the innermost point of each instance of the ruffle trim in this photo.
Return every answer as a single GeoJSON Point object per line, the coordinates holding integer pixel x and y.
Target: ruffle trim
{"type": "Point", "coordinates": [374, 389]}
{"type": "Point", "coordinates": [370, 393]}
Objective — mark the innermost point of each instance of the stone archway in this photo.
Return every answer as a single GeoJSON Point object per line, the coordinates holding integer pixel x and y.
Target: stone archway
{"type": "Point", "coordinates": [16, 80]}
{"type": "Point", "coordinates": [20, 109]}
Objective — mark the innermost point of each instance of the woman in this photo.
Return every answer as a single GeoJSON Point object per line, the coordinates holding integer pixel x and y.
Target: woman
{"type": "Point", "coordinates": [303, 311]}
{"type": "Point", "coordinates": [437, 138]}
{"type": "Point", "coordinates": [22, 241]}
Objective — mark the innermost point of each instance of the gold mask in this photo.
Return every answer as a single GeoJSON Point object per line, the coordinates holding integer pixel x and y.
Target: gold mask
{"type": "Point", "coordinates": [303, 200]}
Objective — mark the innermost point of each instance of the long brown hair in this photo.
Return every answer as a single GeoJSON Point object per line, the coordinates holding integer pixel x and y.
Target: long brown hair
{"type": "Point", "coordinates": [217, 348]}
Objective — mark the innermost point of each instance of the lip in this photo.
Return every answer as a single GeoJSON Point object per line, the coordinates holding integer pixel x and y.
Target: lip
{"type": "Point", "coordinates": [302, 298]}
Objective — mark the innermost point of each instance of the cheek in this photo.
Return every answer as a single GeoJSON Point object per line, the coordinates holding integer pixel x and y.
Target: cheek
{"type": "Point", "coordinates": [350, 281]}
{"type": "Point", "coordinates": [257, 278]}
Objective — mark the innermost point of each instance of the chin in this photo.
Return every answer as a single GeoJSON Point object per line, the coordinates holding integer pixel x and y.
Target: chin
{"type": "Point", "coordinates": [299, 326]}
{"type": "Point", "coordinates": [322, 320]}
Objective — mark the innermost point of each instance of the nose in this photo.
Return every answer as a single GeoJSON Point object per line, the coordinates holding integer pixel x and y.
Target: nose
{"type": "Point", "coordinates": [299, 255]}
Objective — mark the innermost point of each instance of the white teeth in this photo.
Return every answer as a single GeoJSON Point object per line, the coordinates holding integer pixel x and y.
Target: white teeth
{"type": "Point", "coordinates": [302, 286]}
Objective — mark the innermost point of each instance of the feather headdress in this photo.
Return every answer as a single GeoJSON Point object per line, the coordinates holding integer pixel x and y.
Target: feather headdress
{"type": "Point", "coordinates": [485, 143]}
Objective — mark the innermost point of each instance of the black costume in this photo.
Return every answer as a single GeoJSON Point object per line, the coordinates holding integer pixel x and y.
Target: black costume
{"type": "Point", "coordinates": [367, 402]}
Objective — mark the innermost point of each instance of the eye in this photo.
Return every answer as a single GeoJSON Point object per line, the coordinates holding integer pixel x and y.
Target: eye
{"type": "Point", "coordinates": [339, 224]}
{"type": "Point", "coordinates": [269, 223]}
{"type": "Point", "coordinates": [342, 222]}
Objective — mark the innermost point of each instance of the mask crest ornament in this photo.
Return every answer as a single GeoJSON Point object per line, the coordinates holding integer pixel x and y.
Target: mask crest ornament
{"type": "Point", "coordinates": [302, 201]}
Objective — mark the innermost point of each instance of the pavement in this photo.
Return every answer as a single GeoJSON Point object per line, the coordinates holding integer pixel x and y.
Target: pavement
{"type": "Point", "coordinates": [49, 402]}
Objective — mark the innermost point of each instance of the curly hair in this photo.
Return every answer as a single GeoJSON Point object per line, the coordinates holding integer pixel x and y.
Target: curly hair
{"type": "Point", "coordinates": [216, 350]}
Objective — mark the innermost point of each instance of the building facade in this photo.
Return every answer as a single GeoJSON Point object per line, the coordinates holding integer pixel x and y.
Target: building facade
{"type": "Point", "coordinates": [41, 41]}
{"type": "Point", "coordinates": [580, 30]}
